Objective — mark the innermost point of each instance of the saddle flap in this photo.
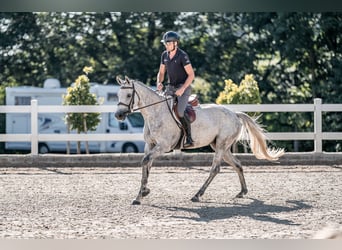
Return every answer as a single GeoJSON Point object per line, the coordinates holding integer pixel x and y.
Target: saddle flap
{"type": "Point", "coordinates": [189, 112]}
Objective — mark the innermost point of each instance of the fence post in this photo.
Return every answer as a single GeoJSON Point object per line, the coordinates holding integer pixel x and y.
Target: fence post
{"type": "Point", "coordinates": [318, 125]}
{"type": "Point", "coordinates": [34, 127]}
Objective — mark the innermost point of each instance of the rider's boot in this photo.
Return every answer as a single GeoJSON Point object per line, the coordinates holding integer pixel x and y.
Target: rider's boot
{"type": "Point", "coordinates": [187, 126]}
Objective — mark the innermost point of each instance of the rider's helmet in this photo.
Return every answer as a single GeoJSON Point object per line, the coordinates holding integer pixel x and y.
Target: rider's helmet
{"type": "Point", "coordinates": [170, 36]}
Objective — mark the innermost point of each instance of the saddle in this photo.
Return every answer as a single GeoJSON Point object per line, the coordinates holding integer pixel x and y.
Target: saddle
{"type": "Point", "coordinates": [189, 110]}
{"type": "Point", "coordinates": [193, 102]}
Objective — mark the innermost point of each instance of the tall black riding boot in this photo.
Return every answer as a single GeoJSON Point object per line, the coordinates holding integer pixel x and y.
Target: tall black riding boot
{"type": "Point", "coordinates": [187, 126]}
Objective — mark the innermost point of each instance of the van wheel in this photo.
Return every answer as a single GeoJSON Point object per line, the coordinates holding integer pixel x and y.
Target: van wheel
{"type": "Point", "coordinates": [43, 148]}
{"type": "Point", "coordinates": [129, 148]}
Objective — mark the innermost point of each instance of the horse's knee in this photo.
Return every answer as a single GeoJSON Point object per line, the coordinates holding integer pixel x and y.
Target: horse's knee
{"type": "Point", "coordinates": [239, 168]}
{"type": "Point", "coordinates": [146, 159]}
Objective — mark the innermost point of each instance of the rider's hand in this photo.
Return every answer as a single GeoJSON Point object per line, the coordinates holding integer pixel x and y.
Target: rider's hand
{"type": "Point", "coordinates": [160, 86]}
{"type": "Point", "coordinates": [180, 92]}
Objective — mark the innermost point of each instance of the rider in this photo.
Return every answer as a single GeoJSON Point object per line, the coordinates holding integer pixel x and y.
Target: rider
{"type": "Point", "coordinates": [180, 73]}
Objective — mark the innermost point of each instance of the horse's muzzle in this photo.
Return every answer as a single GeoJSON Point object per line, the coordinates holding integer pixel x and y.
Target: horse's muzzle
{"type": "Point", "coordinates": [121, 114]}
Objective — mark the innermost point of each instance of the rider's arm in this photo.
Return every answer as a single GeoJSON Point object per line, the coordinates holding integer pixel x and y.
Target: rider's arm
{"type": "Point", "coordinates": [160, 76]}
{"type": "Point", "coordinates": [191, 76]}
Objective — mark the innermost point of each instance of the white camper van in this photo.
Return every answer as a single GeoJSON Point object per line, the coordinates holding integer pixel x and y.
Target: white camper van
{"type": "Point", "coordinates": [51, 94]}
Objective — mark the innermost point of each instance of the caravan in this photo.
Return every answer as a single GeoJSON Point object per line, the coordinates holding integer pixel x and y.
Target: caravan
{"type": "Point", "coordinates": [51, 94]}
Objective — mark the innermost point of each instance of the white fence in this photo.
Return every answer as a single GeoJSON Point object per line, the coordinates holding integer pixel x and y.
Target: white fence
{"type": "Point", "coordinates": [317, 135]}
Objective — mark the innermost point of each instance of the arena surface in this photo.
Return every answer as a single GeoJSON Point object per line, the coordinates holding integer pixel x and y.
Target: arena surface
{"type": "Point", "coordinates": [284, 202]}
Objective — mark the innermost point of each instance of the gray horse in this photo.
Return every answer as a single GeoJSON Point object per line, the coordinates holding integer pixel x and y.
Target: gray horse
{"type": "Point", "coordinates": [215, 125]}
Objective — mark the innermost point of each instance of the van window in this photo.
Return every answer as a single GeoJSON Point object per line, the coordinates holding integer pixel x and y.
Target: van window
{"type": "Point", "coordinates": [112, 121]}
{"type": "Point", "coordinates": [112, 97]}
{"type": "Point", "coordinates": [22, 100]}
{"type": "Point", "coordinates": [136, 119]}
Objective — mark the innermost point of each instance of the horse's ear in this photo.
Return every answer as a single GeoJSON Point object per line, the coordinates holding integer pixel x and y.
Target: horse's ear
{"type": "Point", "coordinates": [119, 80]}
{"type": "Point", "coordinates": [127, 79]}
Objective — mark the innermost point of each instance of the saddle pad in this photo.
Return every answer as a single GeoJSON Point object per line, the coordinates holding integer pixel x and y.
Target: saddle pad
{"type": "Point", "coordinates": [193, 100]}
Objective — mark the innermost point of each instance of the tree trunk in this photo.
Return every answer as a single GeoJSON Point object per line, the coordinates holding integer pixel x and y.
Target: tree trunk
{"type": "Point", "coordinates": [85, 131]}
{"type": "Point", "coordinates": [78, 144]}
{"type": "Point", "coordinates": [68, 130]}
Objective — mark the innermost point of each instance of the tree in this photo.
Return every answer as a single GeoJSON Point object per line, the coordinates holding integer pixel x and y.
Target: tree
{"type": "Point", "coordinates": [245, 93]}
{"type": "Point", "coordinates": [294, 57]}
{"type": "Point", "coordinates": [19, 48]}
{"type": "Point", "coordinates": [202, 89]}
{"type": "Point", "coordinates": [79, 94]}
{"type": "Point", "coordinates": [300, 57]}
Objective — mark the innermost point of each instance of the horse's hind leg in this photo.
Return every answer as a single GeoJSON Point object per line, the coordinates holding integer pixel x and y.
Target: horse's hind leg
{"type": "Point", "coordinates": [215, 169]}
{"type": "Point", "coordinates": [231, 160]}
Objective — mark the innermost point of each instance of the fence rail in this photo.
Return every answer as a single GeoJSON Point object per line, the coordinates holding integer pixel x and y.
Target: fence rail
{"type": "Point", "coordinates": [317, 135]}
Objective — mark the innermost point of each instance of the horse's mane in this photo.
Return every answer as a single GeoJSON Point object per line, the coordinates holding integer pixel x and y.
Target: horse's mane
{"type": "Point", "coordinates": [146, 87]}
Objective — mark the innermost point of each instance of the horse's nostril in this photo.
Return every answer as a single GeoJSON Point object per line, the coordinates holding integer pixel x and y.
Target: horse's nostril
{"type": "Point", "coordinates": [120, 115]}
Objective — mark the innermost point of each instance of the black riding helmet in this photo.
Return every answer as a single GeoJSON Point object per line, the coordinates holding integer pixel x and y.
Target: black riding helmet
{"type": "Point", "coordinates": [170, 36]}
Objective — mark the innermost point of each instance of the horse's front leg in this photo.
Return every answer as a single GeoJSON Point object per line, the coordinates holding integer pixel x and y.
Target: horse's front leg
{"type": "Point", "coordinates": [146, 164]}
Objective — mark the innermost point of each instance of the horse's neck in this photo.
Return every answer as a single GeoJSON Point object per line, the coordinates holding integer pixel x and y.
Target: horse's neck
{"type": "Point", "coordinates": [147, 97]}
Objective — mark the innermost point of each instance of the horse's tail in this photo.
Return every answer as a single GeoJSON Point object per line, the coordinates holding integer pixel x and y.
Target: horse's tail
{"type": "Point", "coordinates": [257, 139]}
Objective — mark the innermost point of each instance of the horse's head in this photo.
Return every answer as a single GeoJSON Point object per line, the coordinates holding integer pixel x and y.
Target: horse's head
{"type": "Point", "coordinates": [126, 96]}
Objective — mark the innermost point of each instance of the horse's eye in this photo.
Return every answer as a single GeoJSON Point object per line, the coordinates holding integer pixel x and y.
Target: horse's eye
{"type": "Point", "coordinates": [129, 95]}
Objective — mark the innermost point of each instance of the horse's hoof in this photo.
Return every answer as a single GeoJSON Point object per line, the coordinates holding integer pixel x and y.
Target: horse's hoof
{"type": "Point", "coordinates": [241, 194]}
{"type": "Point", "coordinates": [145, 192]}
{"type": "Point", "coordinates": [136, 202]}
{"type": "Point", "coordinates": [195, 199]}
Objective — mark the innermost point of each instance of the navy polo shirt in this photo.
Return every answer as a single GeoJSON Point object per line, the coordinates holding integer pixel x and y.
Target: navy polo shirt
{"type": "Point", "coordinates": [175, 66]}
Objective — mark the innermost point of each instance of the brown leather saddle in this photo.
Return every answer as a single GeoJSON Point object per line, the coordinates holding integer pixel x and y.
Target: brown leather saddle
{"type": "Point", "coordinates": [189, 110]}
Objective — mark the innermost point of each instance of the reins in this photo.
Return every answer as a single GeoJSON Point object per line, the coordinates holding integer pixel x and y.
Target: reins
{"type": "Point", "coordinates": [152, 104]}
{"type": "Point", "coordinates": [131, 103]}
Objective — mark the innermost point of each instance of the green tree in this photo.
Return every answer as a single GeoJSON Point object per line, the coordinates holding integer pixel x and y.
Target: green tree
{"type": "Point", "coordinates": [79, 94]}
{"type": "Point", "coordinates": [202, 89]}
{"type": "Point", "coordinates": [294, 57]}
{"type": "Point", "coordinates": [246, 93]}
{"type": "Point", "coordinates": [297, 60]}
{"type": "Point", "coordinates": [19, 48]}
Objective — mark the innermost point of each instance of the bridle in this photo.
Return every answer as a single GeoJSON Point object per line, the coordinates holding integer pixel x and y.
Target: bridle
{"type": "Point", "coordinates": [130, 105]}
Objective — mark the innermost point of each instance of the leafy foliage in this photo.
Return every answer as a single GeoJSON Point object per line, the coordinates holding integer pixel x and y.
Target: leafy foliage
{"type": "Point", "coordinates": [202, 89]}
{"type": "Point", "coordinates": [294, 57]}
{"type": "Point", "coordinates": [80, 94]}
{"type": "Point", "coordinates": [246, 93]}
